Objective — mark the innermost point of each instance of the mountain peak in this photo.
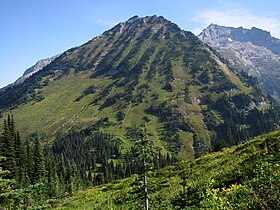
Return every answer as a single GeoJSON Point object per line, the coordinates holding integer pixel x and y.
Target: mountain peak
{"type": "Point", "coordinates": [133, 18]}
{"type": "Point", "coordinates": [136, 23]}
{"type": "Point", "coordinates": [244, 31]}
{"type": "Point", "coordinates": [35, 68]}
{"type": "Point", "coordinates": [259, 31]}
{"type": "Point", "coordinates": [213, 25]}
{"type": "Point", "coordinates": [253, 50]}
{"type": "Point", "coordinates": [142, 71]}
{"type": "Point", "coordinates": [214, 34]}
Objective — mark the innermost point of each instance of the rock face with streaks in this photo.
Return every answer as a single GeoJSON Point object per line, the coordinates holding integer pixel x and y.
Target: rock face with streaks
{"type": "Point", "coordinates": [33, 69]}
{"type": "Point", "coordinates": [252, 51]}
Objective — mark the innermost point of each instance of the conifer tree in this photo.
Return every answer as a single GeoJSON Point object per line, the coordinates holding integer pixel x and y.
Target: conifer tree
{"type": "Point", "coordinates": [144, 154]}
{"type": "Point", "coordinates": [8, 147]}
{"type": "Point", "coordinates": [7, 194]}
{"type": "Point", "coordinates": [19, 160]}
{"type": "Point", "coordinates": [28, 163]}
{"type": "Point", "coordinates": [90, 178]}
{"type": "Point", "coordinates": [38, 171]}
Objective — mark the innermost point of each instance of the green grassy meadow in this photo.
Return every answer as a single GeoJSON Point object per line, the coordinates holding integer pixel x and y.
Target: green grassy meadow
{"type": "Point", "coordinates": [240, 177]}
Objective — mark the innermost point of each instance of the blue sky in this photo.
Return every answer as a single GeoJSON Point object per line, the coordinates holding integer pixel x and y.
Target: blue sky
{"type": "Point", "coordinates": [31, 30]}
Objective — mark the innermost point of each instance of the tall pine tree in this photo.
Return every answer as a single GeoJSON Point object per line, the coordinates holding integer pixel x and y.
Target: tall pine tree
{"type": "Point", "coordinates": [39, 168]}
{"type": "Point", "coordinates": [8, 147]}
{"type": "Point", "coordinates": [20, 159]}
{"type": "Point", "coordinates": [144, 153]}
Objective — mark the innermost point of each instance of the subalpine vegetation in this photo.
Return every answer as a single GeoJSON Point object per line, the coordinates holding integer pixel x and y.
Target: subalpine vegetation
{"type": "Point", "coordinates": [34, 175]}
{"type": "Point", "coordinates": [76, 120]}
{"type": "Point", "coordinates": [241, 177]}
{"type": "Point", "coordinates": [33, 172]}
{"type": "Point", "coordinates": [145, 70]}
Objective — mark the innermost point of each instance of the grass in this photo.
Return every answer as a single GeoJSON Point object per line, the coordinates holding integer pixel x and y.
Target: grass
{"type": "Point", "coordinates": [229, 171]}
{"type": "Point", "coordinates": [59, 112]}
{"type": "Point", "coordinates": [233, 77]}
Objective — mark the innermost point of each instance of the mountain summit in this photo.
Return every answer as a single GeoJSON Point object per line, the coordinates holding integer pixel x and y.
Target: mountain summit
{"type": "Point", "coordinates": [143, 71]}
{"type": "Point", "coordinates": [35, 68]}
{"type": "Point", "coordinates": [117, 42]}
{"type": "Point", "coordinates": [215, 33]}
{"type": "Point", "coordinates": [253, 51]}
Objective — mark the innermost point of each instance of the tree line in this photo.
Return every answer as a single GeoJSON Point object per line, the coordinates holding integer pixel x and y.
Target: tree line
{"type": "Point", "coordinates": [32, 171]}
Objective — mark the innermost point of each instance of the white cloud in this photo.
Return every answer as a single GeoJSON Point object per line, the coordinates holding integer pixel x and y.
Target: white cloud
{"type": "Point", "coordinates": [237, 18]}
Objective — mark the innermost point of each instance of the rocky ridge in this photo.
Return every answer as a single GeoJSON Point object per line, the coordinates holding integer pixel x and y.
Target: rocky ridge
{"type": "Point", "coordinates": [37, 67]}
{"type": "Point", "coordinates": [252, 51]}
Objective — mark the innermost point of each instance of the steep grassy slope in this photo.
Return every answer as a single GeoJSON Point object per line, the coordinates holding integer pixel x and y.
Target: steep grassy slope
{"type": "Point", "coordinates": [241, 177]}
{"type": "Point", "coordinates": [143, 71]}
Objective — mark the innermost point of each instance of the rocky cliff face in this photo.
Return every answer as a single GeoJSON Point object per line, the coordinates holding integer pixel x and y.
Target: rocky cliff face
{"type": "Point", "coordinates": [254, 51]}
{"type": "Point", "coordinates": [37, 67]}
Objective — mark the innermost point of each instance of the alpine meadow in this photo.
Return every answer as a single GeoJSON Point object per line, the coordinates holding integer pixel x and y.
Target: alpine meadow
{"type": "Point", "coordinates": [146, 116]}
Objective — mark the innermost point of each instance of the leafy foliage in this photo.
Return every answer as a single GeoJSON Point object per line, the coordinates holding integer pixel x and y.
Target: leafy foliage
{"type": "Point", "coordinates": [241, 177]}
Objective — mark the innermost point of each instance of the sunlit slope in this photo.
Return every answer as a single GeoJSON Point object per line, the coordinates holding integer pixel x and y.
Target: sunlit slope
{"type": "Point", "coordinates": [241, 177]}
{"type": "Point", "coordinates": [143, 71]}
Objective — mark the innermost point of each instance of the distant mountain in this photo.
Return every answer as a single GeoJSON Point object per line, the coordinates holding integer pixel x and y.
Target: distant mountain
{"type": "Point", "coordinates": [253, 51]}
{"type": "Point", "coordinates": [33, 69]}
{"type": "Point", "coordinates": [143, 71]}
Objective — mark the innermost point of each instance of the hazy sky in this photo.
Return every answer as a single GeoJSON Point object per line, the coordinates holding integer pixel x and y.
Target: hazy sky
{"type": "Point", "coordinates": [31, 30]}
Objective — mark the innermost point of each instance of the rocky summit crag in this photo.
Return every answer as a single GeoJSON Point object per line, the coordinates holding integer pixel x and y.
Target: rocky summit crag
{"type": "Point", "coordinates": [143, 71]}
{"type": "Point", "coordinates": [253, 51]}
{"type": "Point", "coordinates": [33, 69]}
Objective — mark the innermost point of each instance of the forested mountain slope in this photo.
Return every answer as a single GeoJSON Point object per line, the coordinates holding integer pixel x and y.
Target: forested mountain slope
{"type": "Point", "coordinates": [242, 177]}
{"type": "Point", "coordinates": [141, 96]}
{"type": "Point", "coordinates": [143, 71]}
